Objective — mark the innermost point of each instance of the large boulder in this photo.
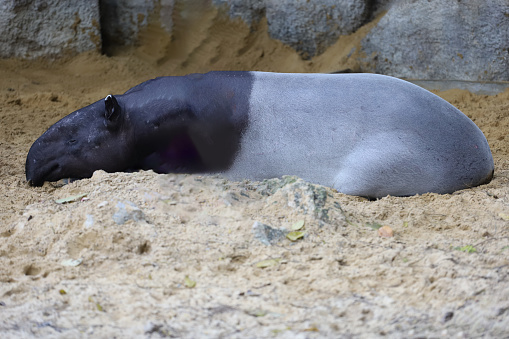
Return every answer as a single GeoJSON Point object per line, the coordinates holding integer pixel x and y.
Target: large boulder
{"type": "Point", "coordinates": [434, 39]}
{"type": "Point", "coordinates": [48, 28]}
{"type": "Point", "coordinates": [312, 26]}
{"type": "Point", "coordinates": [307, 26]}
{"type": "Point", "coordinates": [250, 11]}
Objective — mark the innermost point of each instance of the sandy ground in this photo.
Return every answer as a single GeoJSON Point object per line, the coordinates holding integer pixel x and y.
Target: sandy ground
{"type": "Point", "coordinates": [147, 255]}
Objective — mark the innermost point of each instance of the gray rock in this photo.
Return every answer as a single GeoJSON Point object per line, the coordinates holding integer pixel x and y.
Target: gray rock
{"type": "Point", "coordinates": [48, 28]}
{"type": "Point", "coordinates": [305, 197]}
{"type": "Point", "coordinates": [250, 11]}
{"type": "Point", "coordinates": [441, 40]}
{"type": "Point", "coordinates": [89, 222]}
{"type": "Point", "coordinates": [270, 186]}
{"type": "Point", "coordinates": [312, 26]}
{"type": "Point", "coordinates": [127, 211]}
{"type": "Point", "coordinates": [446, 316]}
{"type": "Point", "coordinates": [122, 21]}
{"type": "Point", "coordinates": [266, 234]}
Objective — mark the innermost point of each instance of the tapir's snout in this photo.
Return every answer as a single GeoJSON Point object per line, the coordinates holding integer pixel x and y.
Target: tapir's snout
{"type": "Point", "coordinates": [29, 169]}
{"type": "Point", "coordinates": [39, 169]}
{"type": "Point", "coordinates": [36, 175]}
{"type": "Point", "coordinates": [35, 183]}
{"type": "Point", "coordinates": [33, 178]}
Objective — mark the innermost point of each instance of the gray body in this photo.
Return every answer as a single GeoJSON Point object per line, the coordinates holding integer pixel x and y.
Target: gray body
{"type": "Point", "coordinates": [363, 134]}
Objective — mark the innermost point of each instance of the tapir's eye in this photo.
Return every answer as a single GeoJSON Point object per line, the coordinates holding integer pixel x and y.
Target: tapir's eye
{"type": "Point", "coordinates": [72, 141]}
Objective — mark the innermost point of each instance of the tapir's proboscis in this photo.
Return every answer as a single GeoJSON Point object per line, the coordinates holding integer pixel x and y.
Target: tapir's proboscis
{"type": "Point", "coordinates": [362, 134]}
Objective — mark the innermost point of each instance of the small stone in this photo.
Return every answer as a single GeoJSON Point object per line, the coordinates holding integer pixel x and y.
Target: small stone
{"type": "Point", "coordinates": [385, 232]}
{"type": "Point", "coordinates": [150, 328]}
{"type": "Point", "coordinates": [99, 175]}
{"type": "Point", "coordinates": [127, 211]}
{"type": "Point", "coordinates": [89, 222]}
{"type": "Point", "coordinates": [71, 262]}
{"type": "Point", "coordinates": [447, 316]}
{"type": "Point", "coordinates": [266, 234]}
{"type": "Point", "coordinates": [102, 204]}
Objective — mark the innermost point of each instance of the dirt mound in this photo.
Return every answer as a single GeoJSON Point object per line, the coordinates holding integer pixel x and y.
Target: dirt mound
{"type": "Point", "coordinates": [142, 254]}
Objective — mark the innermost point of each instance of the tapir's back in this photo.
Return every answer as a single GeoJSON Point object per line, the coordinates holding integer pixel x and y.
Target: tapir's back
{"type": "Point", "coordinates": [323, 126]}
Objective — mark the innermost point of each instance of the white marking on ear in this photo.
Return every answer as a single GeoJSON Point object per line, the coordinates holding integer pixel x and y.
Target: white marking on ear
{"type": "Point", "coordinates": [107, 97]}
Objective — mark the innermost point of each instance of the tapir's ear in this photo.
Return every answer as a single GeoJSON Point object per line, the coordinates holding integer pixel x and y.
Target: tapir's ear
{"type": "Point", "coordinates": [112, 108]}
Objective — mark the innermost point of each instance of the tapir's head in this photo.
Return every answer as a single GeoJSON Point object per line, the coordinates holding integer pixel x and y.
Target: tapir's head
{"type": "Point", "coordinates": [94, 137]}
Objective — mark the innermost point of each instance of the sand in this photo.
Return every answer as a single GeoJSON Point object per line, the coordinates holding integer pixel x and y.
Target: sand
{"type": "Point", "coordinates": [148, 255]}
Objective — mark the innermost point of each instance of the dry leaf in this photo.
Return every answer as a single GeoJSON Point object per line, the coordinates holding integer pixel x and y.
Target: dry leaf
{"type": "Point", "coordinates": [71, 198]}
{"type": "Point", "coordinates": [311, 329]}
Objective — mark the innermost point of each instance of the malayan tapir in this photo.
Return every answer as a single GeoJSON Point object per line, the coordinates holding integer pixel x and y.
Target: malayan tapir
{"type": "Point", "coordinates": [363, 134]}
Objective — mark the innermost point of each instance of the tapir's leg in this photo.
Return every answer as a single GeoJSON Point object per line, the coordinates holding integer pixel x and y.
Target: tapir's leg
{"type": "Point", "coordinates": [380, 167]}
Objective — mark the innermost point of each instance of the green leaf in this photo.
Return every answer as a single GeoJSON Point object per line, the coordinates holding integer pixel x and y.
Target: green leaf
{"type": "Point", "coordinates": [374, 225]}
{"type": "Point", "coordinates": [295, 235]}
{"type": "Point", "coordinates": [257, 313]}
{"type": "Point", "coordinates": [189, 283]}
{"type": "Point", "coordinates": [298, 225]}
{"type": "Point", "coordinates": [268, 263]}
{"type": "Point", "coordinates": [467, 249]}
{"type": "Point", "coordinates": [97, 305]}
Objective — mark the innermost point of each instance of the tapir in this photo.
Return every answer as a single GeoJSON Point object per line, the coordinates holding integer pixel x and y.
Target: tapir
{"type": "Point", "coordinates": [363, 134]}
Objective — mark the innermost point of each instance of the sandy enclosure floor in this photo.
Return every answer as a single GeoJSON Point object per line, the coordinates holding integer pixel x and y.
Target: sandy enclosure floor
{"type": "Point", "coordinates": [147, 255]}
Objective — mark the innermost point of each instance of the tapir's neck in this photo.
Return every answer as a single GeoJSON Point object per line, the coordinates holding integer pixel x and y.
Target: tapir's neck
{"type": "Point", "coordinates": [220, 95]}
{"type": "Point", "coordinates": [194, 122]}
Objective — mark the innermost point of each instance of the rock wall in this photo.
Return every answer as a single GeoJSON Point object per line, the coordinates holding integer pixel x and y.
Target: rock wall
{"type": "Point", "coordinates": [48, 28]}
{"type": "Point", "coordinates": [434, 39]}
